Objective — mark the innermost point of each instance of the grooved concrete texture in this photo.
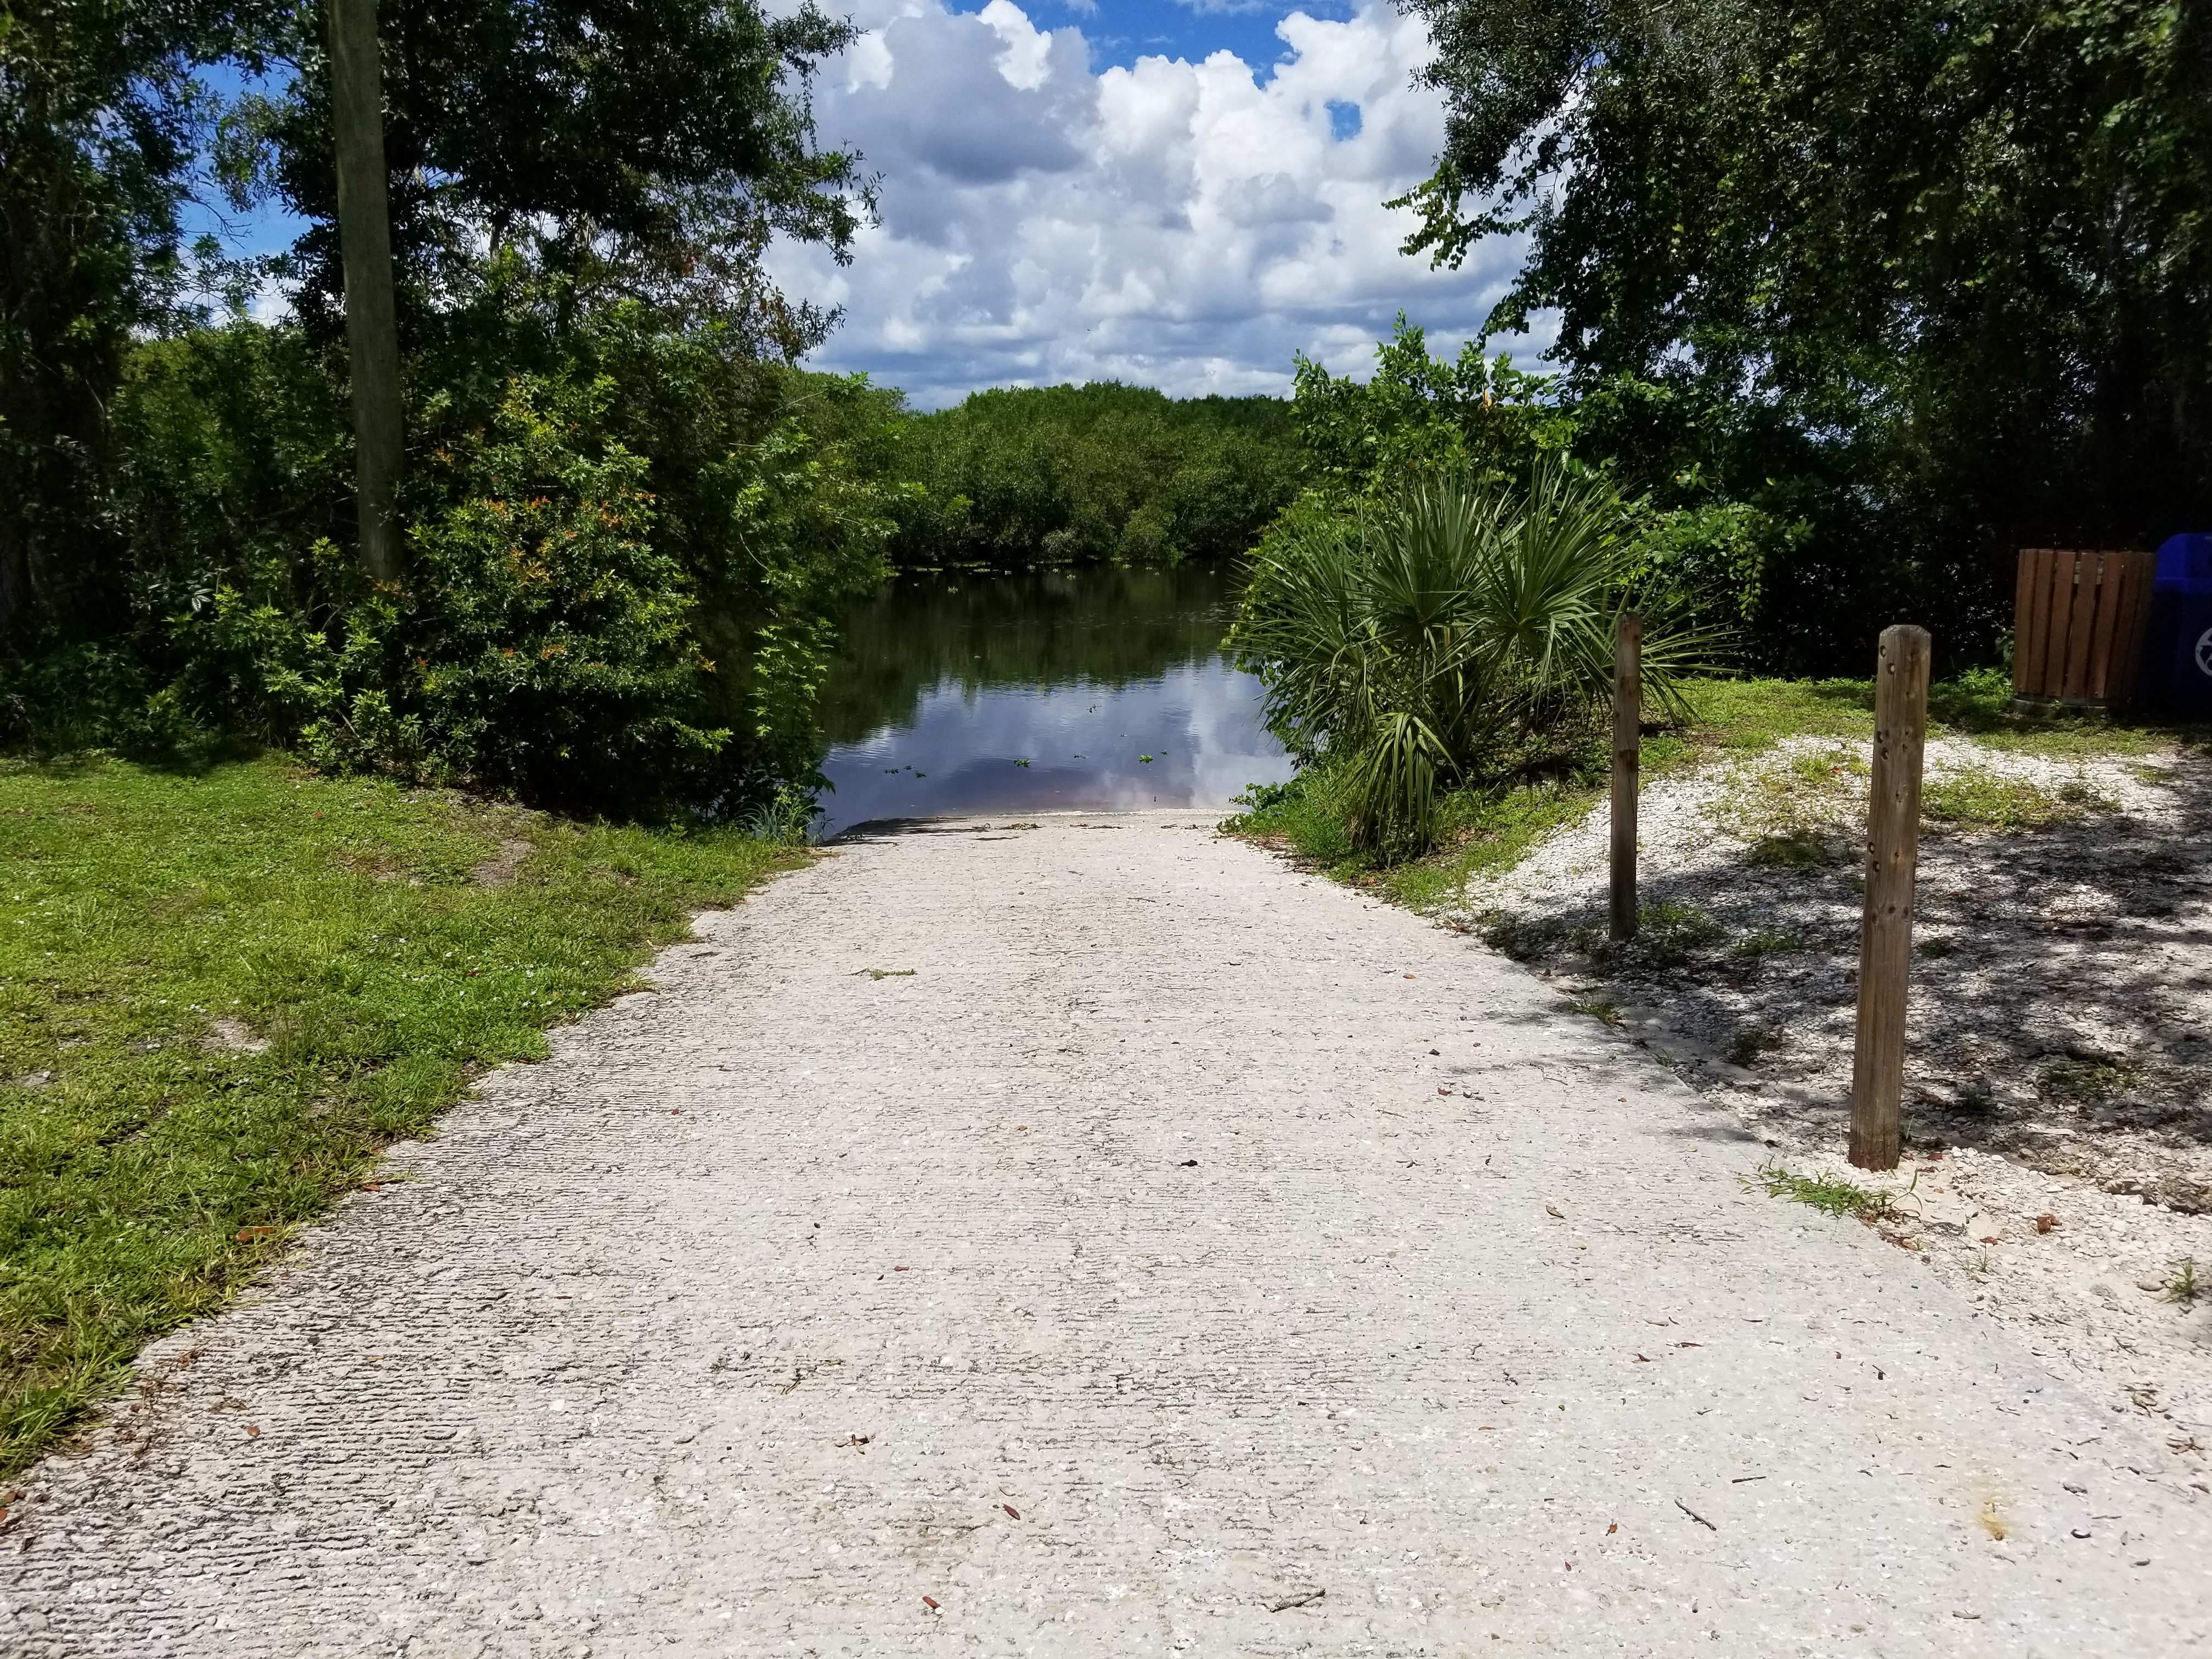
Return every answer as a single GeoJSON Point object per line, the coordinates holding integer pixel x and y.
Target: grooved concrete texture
{"type": "Point", "coordinates": [1122, 1272]}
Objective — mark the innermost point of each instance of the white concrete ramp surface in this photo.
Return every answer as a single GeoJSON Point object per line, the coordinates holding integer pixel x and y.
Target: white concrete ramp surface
{"type": "Point", "coordinates": [1097, 1238]}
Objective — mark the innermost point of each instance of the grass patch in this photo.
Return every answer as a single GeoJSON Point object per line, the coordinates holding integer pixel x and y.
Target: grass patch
{"type": "Point", "coordinates": [1598, 1008]}
{"type": "Point", "coordinates": [221, 995]}
{"type": "Point", "coordinates": [1486, 832]}
{"type": "Point", "coordinates": [1667, 934]}
{"type": "Point", "coordinates": [1978, 800]}
{"type": "Point", "coordinates": [1798, 795]}
{"type": "Point", "coordinates": [2092, 1079]}
{"type": "Point", "coordinates": [1798, 847]}
{"type": "Point", "coordinates": [1767, 942]}
{"type": "Point", "coordinates": [1831, 1194]}
{"type": "Point", "coordinates": [1979, 703]}
{"type": "Point", "coordinates": [1481, 831]}
{"type": "Point", "coordinates": [1750, 715]}
{"type": "Point", "coordinates": [1307, 814]}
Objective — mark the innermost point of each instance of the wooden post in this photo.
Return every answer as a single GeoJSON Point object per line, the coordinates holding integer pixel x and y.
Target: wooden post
{"type": "Point", "coordinates": [1627, 766]}
{"type": "Point", "coordinates": [365, 238]}
{"type": "Point", "coordinates": [1900, 729]}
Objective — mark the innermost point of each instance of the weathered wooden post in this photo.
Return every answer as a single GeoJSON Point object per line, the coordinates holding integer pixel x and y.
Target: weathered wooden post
{"type": "Point", "coordinates": [1627, 766]}
{"type": "Point", "coordinates": [365, 239]}
{"type": "Point", "coordinates": [1900, 729]}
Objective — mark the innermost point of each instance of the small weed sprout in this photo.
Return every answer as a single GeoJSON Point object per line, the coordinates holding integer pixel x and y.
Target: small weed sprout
{"type": "Point", "coordinates": [1767, 942]}
{"type": "Point", "coordinates": [2182, 1286]}
{"type": "Point", "coordinates": [1797, 847]}
{"type": "Point", "coordinates": [1821, 767]}
{"type": "Point", "coordinates": [1668, 932]}
{"type": "Point", "coordinates": [2092, 1080]}
{"type": "Point", "coordinates": [1596, 1008]}
{"type": "Point", "coordinates": [1746, 1047]}
{"type": "Point", "coordinates": [1831, 1194]}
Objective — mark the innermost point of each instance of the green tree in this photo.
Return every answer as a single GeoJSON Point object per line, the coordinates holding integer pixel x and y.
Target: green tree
{"type": "Point", "coordinates": [621, 151]}
{"type": "Point", "coordinates": [631, 519]}
{"type": "Point", "coordinates": [1691, 555]}
{"type": "Point", "coordinates": [101, 123]}
{"type": "Point", "coordinates": [1419, 414]}
{"type": "Point", "coordinates": [1019, 477]}
{"type": "Point", "coordinates": [1934, 275]}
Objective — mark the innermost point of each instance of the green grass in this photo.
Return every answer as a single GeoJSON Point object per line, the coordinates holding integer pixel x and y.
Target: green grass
{"type": "Point", "coordinates": [1751, 716]}
{"type": "Point", "coordinates": [1977, 800]}
{"type": "Point", "coordinates": [1767, 942]}
{"type": "Point", "coordinates": [1598, 1008]}
{"type": "Point", "coordinates": [2183, 1285]}
{"type": "Point", "coordinates": [1668, 933]}
{"type": "Point", "coordinates": [1798, 847]}
{"type": "Point", "coordinates": [1979, 703]}
{"type": "Point", "coordinates": [1831, 1194]}
{"type": "Point", "coordinates": [1481, 831]}
{"type": "Point", "coordinates": [1489, 829]}
{"type": "Point", "coordinates": [221, 994]}
{"type": "Point", "coordinates": [2092, 1079]}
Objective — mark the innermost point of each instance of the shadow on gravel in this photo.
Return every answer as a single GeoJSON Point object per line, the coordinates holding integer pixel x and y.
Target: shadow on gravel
{"type": "Point", "coordinates": [2061, 1005]}
{"type": "Point", "coordinates": [889, 829]}
{"type": "Point", "coordinates": [1721, 1134]}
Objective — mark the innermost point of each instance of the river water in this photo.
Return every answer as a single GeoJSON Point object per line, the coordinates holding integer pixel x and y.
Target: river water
{"type": "Point", "coordinates": [1075, 690]}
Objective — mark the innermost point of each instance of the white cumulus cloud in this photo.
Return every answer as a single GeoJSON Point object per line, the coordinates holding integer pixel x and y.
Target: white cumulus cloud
{"type": "Point", "coordinates": [1182, 225]}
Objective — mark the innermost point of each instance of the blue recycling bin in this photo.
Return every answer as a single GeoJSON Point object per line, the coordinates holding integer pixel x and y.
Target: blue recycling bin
{"type": "Point", "coordinates": [2177, 662]}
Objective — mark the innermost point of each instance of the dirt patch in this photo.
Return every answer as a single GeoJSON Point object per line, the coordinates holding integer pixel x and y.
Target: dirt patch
{"type": "Point", "coordinates": [377, 865]}
{"type": "Point", "coordinates": [235, 1036]}
{"type": "Point", "coordinates": [498, 870]}
{"type": "Point", "coordinates": [2061, 1025]}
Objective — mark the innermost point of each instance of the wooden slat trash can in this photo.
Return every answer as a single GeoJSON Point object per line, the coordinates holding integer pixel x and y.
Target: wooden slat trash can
{"type": "Point", "coordinates": [2078, 625]}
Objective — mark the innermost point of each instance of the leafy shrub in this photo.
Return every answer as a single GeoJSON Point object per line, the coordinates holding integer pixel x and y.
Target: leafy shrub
{"type": "Point", "coordinates": [542, 643]}
{"type": "Point", "coordinates": [624, 562]}
{"type": "Point", "coordinates": [1707, 565]}
{"type": "Point", "coordinates": [1424, 641]}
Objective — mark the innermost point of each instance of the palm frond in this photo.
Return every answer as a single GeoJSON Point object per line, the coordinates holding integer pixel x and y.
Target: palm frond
{"type": "Point", "coordinates": [1412, 639]}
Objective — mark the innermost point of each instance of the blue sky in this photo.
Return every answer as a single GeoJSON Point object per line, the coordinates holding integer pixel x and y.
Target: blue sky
{"type": "Point", "coordinates": [1177, 195]}
{"type": "Point", "coordinates": [1122, 31]}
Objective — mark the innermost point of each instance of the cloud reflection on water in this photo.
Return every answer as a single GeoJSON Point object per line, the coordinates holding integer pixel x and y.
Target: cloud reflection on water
{"type": "Point", "coordinates": [1200, 721]}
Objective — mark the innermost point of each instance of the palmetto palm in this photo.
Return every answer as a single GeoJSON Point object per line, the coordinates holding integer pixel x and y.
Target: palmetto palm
{"type": "Point", "coordinates": [1413, 641]}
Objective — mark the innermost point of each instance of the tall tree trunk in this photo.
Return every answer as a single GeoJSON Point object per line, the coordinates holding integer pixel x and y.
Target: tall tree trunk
{"type": "Point", "coordinates": [365, 234]}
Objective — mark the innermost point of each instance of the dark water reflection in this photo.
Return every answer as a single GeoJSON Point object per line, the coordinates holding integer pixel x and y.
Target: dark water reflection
{"type": "Point", "coordinates": [947, 683]}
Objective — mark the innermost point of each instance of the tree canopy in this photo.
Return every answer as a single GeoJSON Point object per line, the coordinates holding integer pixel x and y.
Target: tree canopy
{"type": "Point", "coordinates": [645, 152]}
{"type": "Point", "coordinates": [1023, 476]}
{"type": "Point", "coordinates": [1942, 269]}
{"type": "Point", "coordinates": [630, 522]}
